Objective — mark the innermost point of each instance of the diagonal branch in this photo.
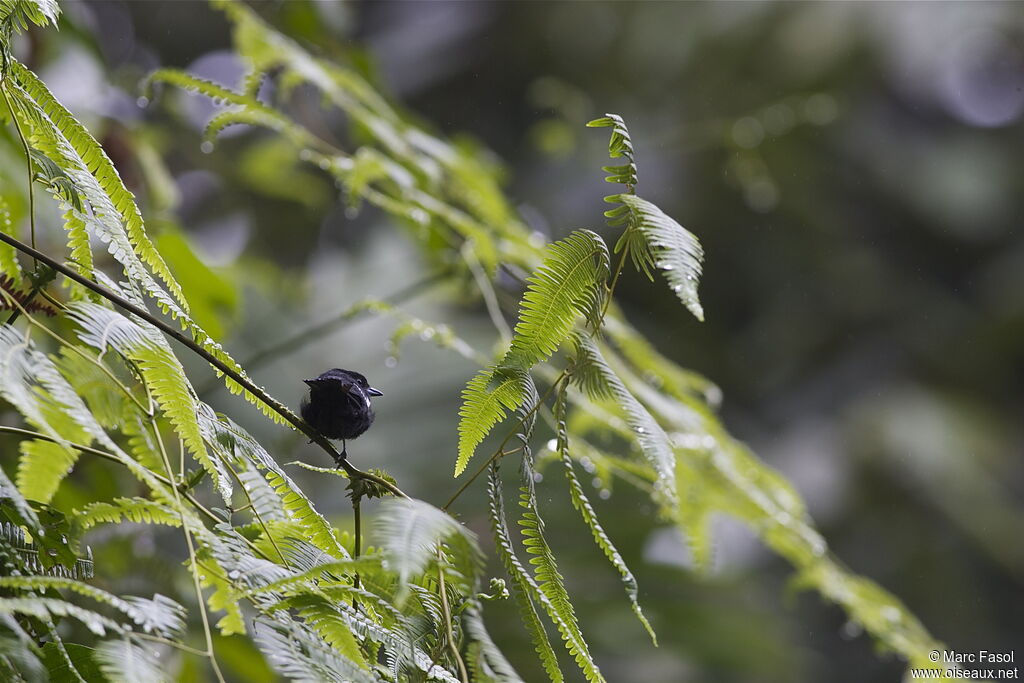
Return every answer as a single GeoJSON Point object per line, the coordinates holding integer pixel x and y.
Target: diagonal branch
{"type": "Point", "coordinates": [256, 391]}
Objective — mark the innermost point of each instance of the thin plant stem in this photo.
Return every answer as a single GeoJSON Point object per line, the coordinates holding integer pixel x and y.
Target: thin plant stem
{"type": "Point", "coordinates": [120, 385]}
{"type": "Point", "coordinates": [486, 290]}
{"type": "Point", "coordinates": [357, 541]}
{"type": "Point", "coordinates": [112, 458]}
{"type": "Point", "coordinates": [192, 558]}
{"type": "Point", "coordinates": [56, 640]}
{"type": "Point", "coordinates": [615, 276]}
{"type": "Point", "coordinates": [170, 643]}
{"type": "Point", "coordinates": [448, 617]}
{"type": "Point", "coordinates": [275, 405]}
{"type": "Point", "coordinates": [28, 168]}
{"type": "Point", "coordinates": [255, 512]}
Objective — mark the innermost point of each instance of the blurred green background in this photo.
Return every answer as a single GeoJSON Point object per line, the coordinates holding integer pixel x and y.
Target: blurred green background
{"type": "Point", "coordinates": [853, 171]}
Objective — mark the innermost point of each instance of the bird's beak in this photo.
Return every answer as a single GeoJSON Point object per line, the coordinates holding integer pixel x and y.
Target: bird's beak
{"type": "Point", "coordinates": [374, 392]}
{"type": "Point", "coordinates": [310, 382]}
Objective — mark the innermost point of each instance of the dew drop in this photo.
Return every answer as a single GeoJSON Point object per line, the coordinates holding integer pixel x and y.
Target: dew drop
{"type": "Point", "coordinates": [142, 102]}
{"type": "Point", "coordinates": [588, 464]}
{"type": "Point", "coordinates": [552, 444]}
{"type": "Point", "coordinates": [538, 477]}
{"type": "Point", "coordinates": [891, 613]}
{"type": "Point", "coordinates": [850, 630]}
{"type": "Point", "coordinates": [234, 574]}
{"type": "Point", "coordinates": [427, 334]}
{"type": "Point", "coordinates": [596, 482]}
{"type": "Point", "coordinates": [390, 362]}
{"type": "Point", "coordinates": [604, 494]}
{"type": "Point", "coordinates": [206, 147]}
{"type": "Point", "coordinates": [641, 430]}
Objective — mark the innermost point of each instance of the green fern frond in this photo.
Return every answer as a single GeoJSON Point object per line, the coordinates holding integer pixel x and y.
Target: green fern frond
{"type": "Point", "coordinates": [675, 251]}
{"type": "Point", "coordinates": [53, 608]}
{"type": "Point", "coordinates": [299, 654]}
{"type": "Point", "coordinates": [548, 579]}
{"type": "Point", "coordinates": [485, 402]}
{"type": "Point", "coordinates": [19, 507]}
{"type": "Point", "coordinates": [569, 283]}
{"type": "Point", "coordinates": [694, 520]}
{"type": "Point", "coordinates": [24, 555]}
{"type": "Point", "coordinates": [194, 84]}
{"type": "Point", "coordinates": [651, 237]}
{"type": "Point", "coordinates": [53, 176]}
{"type": "Point", "coordinates": [323, 617]}
{"type": "Point", "coordinates": [225, 597]}
{"type": "Point", "coordinates": [232, 442]}
{"type": "Point", "coordinates": [33, 384]}
{"type": "Point", "coordinates": [42, 467]}
{"type": "Point", "coordinates": [23, 370]}
{"type": "Point", "coordinates": [409, 531]}
{"type": "Point", "coordinates": [653, 441]}
{"type": "Point", "coordinates": [138, 510]}
{"type": "Point", "coordinates": [128, 660]}
{"type": "Point", "coordinates": [16, 15]}
{"type": "Point", "coordinates": [301, 509]}
{"type": "Point", "coordinates": [89, 377]}
{"type": "Point", "coordinates": [620, 145]}
{"type": "Point", "coordinates": [114, 217]}
{"type": "Point", "coordinates": [161, 615]}
{"type": "Point", "coordinates": [582, 505]}
{"type": "Point", "coordinates": [265, 503]}
{"type": "Point", "coordinates": [163, 374]}
{"type": "Point", "coordinates": [102, 169]}
{"type": "Point", "coordinates": [491, 662]}
{"type": "Point", "coordinates": [525, 590]}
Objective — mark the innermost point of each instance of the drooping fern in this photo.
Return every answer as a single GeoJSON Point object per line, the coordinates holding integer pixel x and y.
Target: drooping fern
{"type": "Point", "coordinates": [16, 15]}
{"type": "Point", "coordinates": [569, 284]}
{"type": "Point", "coordinates": [485, 402]}
{"type": "Point", "coordinates": [651, 237]}
{"type": "Point", "coordinates": [524, 587]}
{"type": "Point", "coordinates": [593, 373]}
{"type": "Point", "coordinates": [548, 580]}
{"type": "Point", "coordinates": [103, 328]}
{"type": "Point", "coordinates": [582, 505]}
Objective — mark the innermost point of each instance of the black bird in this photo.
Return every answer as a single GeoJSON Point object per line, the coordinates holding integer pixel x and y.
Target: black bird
{"type": "Point", "coordinates": [339, 404]}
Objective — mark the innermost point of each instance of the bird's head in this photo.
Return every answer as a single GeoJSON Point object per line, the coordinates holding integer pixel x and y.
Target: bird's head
{"type": "Point", "coordinates": [344, 380]}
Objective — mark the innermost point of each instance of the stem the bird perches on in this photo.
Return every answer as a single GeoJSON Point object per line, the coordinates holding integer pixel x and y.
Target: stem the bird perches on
{"type": "Point", "coordinates": [244, 382]}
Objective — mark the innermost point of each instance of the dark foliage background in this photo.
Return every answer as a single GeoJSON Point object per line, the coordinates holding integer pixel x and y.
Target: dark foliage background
{"type": "Point", "coordinates": [853, 173]}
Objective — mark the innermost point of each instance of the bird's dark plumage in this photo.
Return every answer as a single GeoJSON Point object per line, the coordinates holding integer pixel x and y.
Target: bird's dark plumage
{"type": "Point", "coordinates": [339, 404]}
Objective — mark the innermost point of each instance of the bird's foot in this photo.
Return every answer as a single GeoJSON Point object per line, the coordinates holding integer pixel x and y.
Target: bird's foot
{"type": "Point", "coordinates": [341, 456]}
